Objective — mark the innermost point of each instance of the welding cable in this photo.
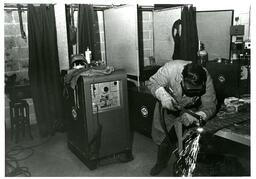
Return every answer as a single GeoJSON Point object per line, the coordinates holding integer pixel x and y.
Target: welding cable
{"type": "Point", "coordinates": [162, 122]}
{"type": "Point", "coordinates": [16, 170]}
{"type": "Point", "coordinates": [12, 162]}
{"type": "Point", "coordinates": [20, 153]}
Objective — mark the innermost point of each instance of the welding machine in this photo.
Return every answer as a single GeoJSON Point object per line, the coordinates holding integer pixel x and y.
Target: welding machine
{"type": "Point", "coordinates": [227, 79]}
{"type": "Point", "coordinates": [98, 127]}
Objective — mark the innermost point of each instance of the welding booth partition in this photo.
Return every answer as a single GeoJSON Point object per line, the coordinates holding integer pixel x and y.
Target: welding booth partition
{"type": "Point", "coordinates": [124, 38]}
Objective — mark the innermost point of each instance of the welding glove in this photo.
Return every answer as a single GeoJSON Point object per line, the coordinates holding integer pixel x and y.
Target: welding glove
{"type": "Point", "coordinates": [166, 99]}
{"type": "Point", "coordinates": [188, 119]}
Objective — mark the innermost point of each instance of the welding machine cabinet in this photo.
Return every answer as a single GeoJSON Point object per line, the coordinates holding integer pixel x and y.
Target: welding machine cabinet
{"type": "Point", "coordinates": [141, 106]}
{"type": "Point", "coordinates": [226, 79]}
{"type": "Point", "coordinates": [98, 126]}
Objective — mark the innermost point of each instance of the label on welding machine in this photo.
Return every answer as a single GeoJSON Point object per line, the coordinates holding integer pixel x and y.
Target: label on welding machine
{"type": "Point", "coordinates": [105, 96]}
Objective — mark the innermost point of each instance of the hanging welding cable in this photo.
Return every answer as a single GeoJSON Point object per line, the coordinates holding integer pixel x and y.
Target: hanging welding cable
{"type": "Point", "coordinates": [187, 157]}
{"type": "Point", "coordinates": [95, 143]}
{"type": "Point", "coordinates": [23, 34]}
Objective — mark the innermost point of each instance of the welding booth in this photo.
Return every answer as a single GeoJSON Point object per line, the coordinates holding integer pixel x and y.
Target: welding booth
{"type": "Point", "coordinates": [231, 77]}
{"type": "Point", "coordinates": [226, 74]}
{"type": "Point", "coordinates": [113, 106]}
{"type": "Point", "coordinates": [131, 46]}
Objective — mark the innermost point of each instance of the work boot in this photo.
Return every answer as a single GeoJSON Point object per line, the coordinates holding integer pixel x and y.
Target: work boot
{"type": "Point", "coordinates": [163, 155]}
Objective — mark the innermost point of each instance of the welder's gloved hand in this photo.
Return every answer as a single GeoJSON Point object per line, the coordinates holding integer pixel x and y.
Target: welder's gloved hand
{"type": "Point", "coordinates": [166, 99]}
{"type": "Point", "coordinates": [188, 119]}
{"type": "Point", "coordinates": [202, 114]}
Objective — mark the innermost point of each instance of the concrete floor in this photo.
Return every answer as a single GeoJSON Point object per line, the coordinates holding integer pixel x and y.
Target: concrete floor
{"type": "Point", "coordinates": [52, 158]}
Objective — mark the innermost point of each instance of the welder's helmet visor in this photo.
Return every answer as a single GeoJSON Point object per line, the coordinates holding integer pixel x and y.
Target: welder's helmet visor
{"type": "Point", "coordinates": [191, 89]}
{"type": "Point", "coordinates": [78, 58]}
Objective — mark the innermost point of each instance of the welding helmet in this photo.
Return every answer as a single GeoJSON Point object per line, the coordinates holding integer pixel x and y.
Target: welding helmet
{"type": "Point", "coordinates": [78, 59]}
{"type": "Point", "coordinates": [194, 79]}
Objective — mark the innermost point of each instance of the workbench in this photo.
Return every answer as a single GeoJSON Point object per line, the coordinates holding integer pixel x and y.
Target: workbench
{"type": "Point", "coordinates": [238, 133]}
{"type": "Point", "coordinates": [234, 127]}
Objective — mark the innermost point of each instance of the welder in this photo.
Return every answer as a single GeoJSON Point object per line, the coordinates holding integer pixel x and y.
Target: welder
{"type": "Point", "coordinates": [191, 88]}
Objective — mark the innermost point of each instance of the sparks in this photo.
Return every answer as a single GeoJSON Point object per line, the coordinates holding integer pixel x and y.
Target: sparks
{"type": "Point", "coordinates": [186, 163]}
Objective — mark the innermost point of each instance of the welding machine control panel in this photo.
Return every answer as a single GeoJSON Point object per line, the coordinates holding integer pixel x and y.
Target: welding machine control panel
{"type": "Point", "coordinates": [105, 96]}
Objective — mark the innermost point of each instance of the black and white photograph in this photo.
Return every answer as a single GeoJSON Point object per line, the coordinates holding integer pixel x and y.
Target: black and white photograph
{"type": "Point", "coordinates": [127, 89]}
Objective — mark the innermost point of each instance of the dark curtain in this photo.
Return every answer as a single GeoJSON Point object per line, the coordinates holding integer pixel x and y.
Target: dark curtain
{"type": "Point", "coordinates": [88, 31]}
{"type": "Point", "coordinates": [189, 35]}
{"type": "Point", "coordinates": [176, 38]}
{"type": "Point", "coordinates": [44, 73]}
{"type": "Point", "coordinates": [68, 24]}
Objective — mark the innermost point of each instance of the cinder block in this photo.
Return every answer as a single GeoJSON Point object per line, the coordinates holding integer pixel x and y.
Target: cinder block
{"type": "Point", "coordinates": [11, 65]}
{"type": "Point", "coordinates": [22, 52]}
{"type": "Point", "coordinates": [8, 17]}
{"type": "Point", "coordinates": [11, 29]}
{"type": "Point", "coordinates": [9, 55]}
{"type": "Point", "coordinates": [146, 35]}
{"type": "Point", "coordinates": [24, 63]}
{"type": "Point", "coordinates": [147, 53]}
{"type": "Point", "coordinates": [21, 42]}
{"type": "Point", "coordinates": [150, 34]}
{"type": "Point", "coordinates": [147, 16]}
{"type": "Point", "coordinates": [147, 25]}
{"type": "Point", "coordinates": [148, 44]}
{"type": "Point", "coordinates": [9, 42]}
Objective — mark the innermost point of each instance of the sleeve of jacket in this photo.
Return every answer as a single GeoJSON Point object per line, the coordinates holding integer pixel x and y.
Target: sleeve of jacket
{"type": "Point", "coordinates": [159, 79]}
{"type": "Point", "coordinates": [209, 100]}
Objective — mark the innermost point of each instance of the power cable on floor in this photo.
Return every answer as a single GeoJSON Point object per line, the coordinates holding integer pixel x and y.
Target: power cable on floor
{"type": "Point", "coordinates": [13, 157]}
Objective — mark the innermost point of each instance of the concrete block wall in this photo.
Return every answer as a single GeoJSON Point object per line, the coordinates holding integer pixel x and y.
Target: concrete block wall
{"type": "Point", "coordinates": [147, 20]}
{"type": "Point", "coordinates": [16, 48]}
{"type": "Point", "coordinates": [16, 56]}
{"type": "Point", "coordinates": [102, 37]}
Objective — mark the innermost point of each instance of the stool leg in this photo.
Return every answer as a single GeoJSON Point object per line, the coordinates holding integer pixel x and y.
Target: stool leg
{"type": "Point", "coordinates": [23, 121]}
{"type": "Point", "coordinates": [12, 119]}
{"type": "Point", "coordinates": [16, 124]}
{"type": "Point", "coordinates": [28, 121]}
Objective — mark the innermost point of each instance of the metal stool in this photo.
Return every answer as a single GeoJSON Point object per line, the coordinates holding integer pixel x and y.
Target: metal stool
{"type": "Point", "coordinates": [19, 113]}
